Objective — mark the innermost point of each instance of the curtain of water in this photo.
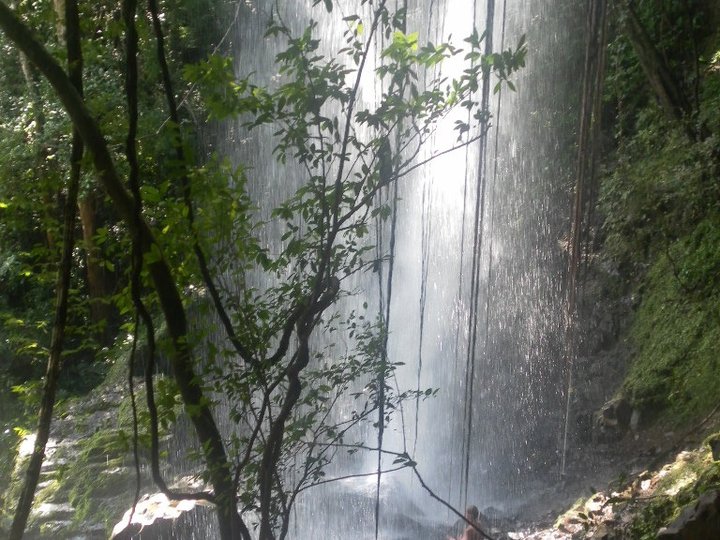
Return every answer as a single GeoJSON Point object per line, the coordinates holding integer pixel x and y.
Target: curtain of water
{"type": "Point", "coordinates": [476, 303]}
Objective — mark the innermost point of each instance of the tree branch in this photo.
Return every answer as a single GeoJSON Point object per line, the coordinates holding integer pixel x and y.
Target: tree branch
{"type": "Point", "coordinates": [52, 373]}
{"type": "Point", "coordinates": [186, 190]}
{"type": "Point", "coordinates": [192, 394]}
{"type": "Point", "coordinates": [671, 96]}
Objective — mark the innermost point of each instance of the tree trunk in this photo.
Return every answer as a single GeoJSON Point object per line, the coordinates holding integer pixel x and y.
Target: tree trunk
{"type": "Point", "coordinates": [97, 280]}
{"type": "Point", "coordinates": [96, 277]}
{"type": "Point", "coordinates": [668, 91]}
{"type": "Point", "coordinates": [32, 474]}
{"type": "Point", "coordinates": [196, 404]}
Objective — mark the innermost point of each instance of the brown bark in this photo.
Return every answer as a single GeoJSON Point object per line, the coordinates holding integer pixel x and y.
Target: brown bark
{"type": "Point", "coordinates": [664, 85]}
{"type": "Point", "coordinates": [191, 392]}
{"type": "Point", "coordinates": [101, 310]}
{"type": "Point", "coordinates": [97, 282]}
{"type": "Point", "coordinates": [32, 474]}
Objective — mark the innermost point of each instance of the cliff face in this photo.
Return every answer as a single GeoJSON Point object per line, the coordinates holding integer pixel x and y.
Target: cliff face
{"type": "Point", "coordinates": [648, 380]}
{"type": "Point", "coordinates": [87, 477]}
{"type": "Point", "coordinates": [647, 375]}
{"type": "Point", "coordinates": [643, 404]}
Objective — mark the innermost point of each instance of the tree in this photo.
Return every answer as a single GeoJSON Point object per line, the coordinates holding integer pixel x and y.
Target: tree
{"type": "Point", "coordinates": [279, 386]}
{"type": "Point", "coordinates": [667, 42]}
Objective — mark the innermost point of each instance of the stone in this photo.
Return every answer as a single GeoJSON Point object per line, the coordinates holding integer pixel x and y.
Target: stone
{"type": "Point", "coordinates": [613, 419]}
{"type": "Point", "coordinates": [584, 426]}
{"type": "Point", "coordinates": [602, 532]}
{"type": "Point", "coordinates": [715, 448]}
{"type": "Point", "coordinates": [153, 516]}
{"type": "Point", "coordinates": [54, 511]}
{"type": "Point", "coordinates": [697, 521]}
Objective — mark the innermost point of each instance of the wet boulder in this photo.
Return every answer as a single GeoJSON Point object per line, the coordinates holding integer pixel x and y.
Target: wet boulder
{"type": "Point", "coordinates": [698, 521]}
{"type": "Point", "coordinates": [613, 420]}
{"type": "Point", "coordinates": [714, 444]}
{"type": "Point", "coordinates": [155, 516]}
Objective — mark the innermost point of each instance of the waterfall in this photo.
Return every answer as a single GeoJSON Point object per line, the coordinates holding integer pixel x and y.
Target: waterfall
{"type": "Point", "coordinates": [493, 449]}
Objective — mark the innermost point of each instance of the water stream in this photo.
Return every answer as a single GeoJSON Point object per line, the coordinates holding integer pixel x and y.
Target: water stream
{"type": "Point", "coordinates": [494, 429]}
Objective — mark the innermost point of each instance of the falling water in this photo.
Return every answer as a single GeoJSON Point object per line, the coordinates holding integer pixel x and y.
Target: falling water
{"type": "Point", "coordinates": [494, 429]}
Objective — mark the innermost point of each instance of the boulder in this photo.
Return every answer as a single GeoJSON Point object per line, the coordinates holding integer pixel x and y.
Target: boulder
{"type": "Point", "coordinates": [697, 521]}
{"type": "Point", "coordinates": [613, 420]}
{"type": "Point", "coordinates": [715, 448]}
{"type": "Point", "coordinates": [602, 532]}
{"type": "Point", "coordinates": [154, 517]}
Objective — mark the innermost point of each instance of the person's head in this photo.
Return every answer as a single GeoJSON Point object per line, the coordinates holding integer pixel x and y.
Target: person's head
{"type": "Point", "coordinates": [472, 512]}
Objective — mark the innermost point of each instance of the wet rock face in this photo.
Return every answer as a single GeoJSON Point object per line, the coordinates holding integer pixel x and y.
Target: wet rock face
{"type": "Point", "coordinates": [715, 449]}
{"type": "Point", "coordinates": [154, 517]}
{"type": "Point", "coordinates": [86, 480]}
{"type": "Point", "coordinates": [613, 420]}
{"type": "Point", "coordinates": [698, 521]}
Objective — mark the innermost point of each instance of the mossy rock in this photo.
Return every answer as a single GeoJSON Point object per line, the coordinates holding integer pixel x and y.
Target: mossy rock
{"type": "Point", "coordinates": [713, 442]}
{"type": "Point", "coordinates": [688, 478]}
{"type": "Point", "coordinates": [675, 373]}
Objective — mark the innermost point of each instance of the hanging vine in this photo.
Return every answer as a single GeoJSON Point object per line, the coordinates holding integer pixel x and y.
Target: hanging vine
{"type": "Point", "coordinates": [387, 162]}
{"type": "Point", "coordinates": [585, 176]}
{"type": "Point", "coordinates": [477, 249]}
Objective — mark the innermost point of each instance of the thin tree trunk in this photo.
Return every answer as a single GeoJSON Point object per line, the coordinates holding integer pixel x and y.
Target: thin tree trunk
{"type": "Point", "coordinates": [193, 397]}
{"type": "Point", "coordinates": [665, 86]}
{"type": "Point", "coordinates": [32, 474]}
{"type": "Point", "coordinates": [96, 277]}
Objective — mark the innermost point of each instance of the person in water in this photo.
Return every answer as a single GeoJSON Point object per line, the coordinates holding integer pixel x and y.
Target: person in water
{"type": "Point", "coordinates": [468, 531]}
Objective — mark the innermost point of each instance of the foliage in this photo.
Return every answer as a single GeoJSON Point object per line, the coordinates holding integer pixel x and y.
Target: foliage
{"type": "Point", "coordinates": [676, 362]}
{"type": "Point", "coordinates": [682, 32]}
{"type": "Point", "coordinates": [34, 166]}
{"type": "Point", "coordinates": [280, 382]}
{"type": "Point", "coordinates": [659, 198]}
{"type": "Point", "coordinates": [640, 505]}
{"type": "Point", "coordinates": [346, 157]}
{"type": "Point", "coordinates": [660, 187]}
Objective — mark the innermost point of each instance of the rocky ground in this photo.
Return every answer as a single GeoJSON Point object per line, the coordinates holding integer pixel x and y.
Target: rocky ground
{"type": "Point", "coordinates": [623, 481]}
{"type": "Point", "coordinates": [87, 474]}
{"type": "Point", "coordinates": [650, 484]}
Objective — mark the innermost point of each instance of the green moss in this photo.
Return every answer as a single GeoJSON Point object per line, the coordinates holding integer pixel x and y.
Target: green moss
{"type": "Point", "coordinates": [571, 512]}
{"type": "Point", "coordinates": [99, 494]}
{"type": "Point", "coordinates": [684, 472]}
{"type": "Point", "coordinates": [98, 481]}
{"type": "Point", "coordinates": [690, 476]}
{"type": "Point", "coordinates": [711, 438]}
{"type": "Point", "coordinates": [100, 484]}
{"type": "Point", "coordinates": [655, 515]}
{"type": "Point", "coordinates": [94, 473]}
{"type": "Point", "coordinates": [676, 332]}
{"type": "Point", "coordinates": [662, 231]}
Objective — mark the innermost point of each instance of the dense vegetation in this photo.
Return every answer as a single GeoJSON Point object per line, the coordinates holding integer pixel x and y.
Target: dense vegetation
{"type": "Point", "coordinates": [659, 202]}
{"type": "Point", "coordinates": [171, 234]}
{"type": "Point", "coordinates": [657, 245]}
{"type": "Point", "coordinates": [35, 141]}
{"type": "Point", "coordinates": [660, 198]}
